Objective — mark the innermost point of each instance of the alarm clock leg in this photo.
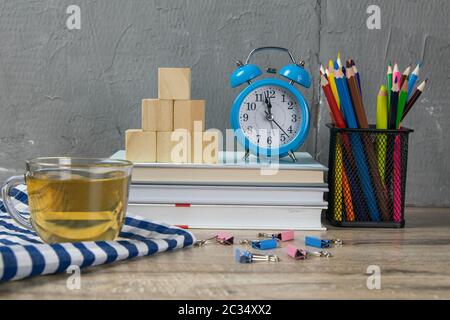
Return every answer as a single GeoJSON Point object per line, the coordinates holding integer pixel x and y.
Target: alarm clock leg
{"type": "Point", "coordinates": [292, 155]}
{"type": "Point", "coordinates": [247, 155]}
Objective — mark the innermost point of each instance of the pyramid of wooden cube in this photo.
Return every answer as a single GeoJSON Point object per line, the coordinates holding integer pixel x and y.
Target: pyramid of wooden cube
{"type": "Point", "coordinates": [173, 126]}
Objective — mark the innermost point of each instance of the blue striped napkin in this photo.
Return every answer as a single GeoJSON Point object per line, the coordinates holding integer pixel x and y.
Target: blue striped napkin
{"type": "Point", "coordinates": [23, 254]}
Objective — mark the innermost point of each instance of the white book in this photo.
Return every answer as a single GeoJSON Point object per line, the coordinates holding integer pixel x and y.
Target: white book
{"type": "Point", "coordinates": [226, 195]}
{"type": "Point", "coordinates": [232, 170]}
{"type": "Point", "coordinates": [233, 217]}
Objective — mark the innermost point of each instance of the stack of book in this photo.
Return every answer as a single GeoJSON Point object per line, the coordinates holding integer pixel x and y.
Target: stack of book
{"type": "Point", "coordinates": [233, 194]}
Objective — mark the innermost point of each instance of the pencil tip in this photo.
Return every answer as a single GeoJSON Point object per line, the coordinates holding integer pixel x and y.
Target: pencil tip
{"type": "Point", "coordinates": [336, 65]}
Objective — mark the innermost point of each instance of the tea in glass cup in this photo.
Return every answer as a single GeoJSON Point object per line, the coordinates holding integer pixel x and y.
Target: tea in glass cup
{"type": "Point", "coordinates": [73, 200]}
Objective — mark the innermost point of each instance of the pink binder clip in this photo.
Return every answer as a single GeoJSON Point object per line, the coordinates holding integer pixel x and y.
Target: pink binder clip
{"type": "Point", "coordinates": [283, 236]}
{"type": "Point", "coordinates": [296, 253]}
{"type": "Point", "coordinates": [221, 238]}
{"type": "Point", "coordinates": [300, 254]}
{"type": "Point", "coordinates": [286, 236]}
{"type": "Point", "coordinates": [225, 238]}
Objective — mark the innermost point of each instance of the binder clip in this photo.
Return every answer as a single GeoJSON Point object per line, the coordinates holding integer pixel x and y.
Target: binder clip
{"type": "Point", "coordinates": [225, 238]}
{"type": "Point", "coordinates": [266, 244]}
{"type": "Point", "coordinates": [221, 238]}
{"type": "Point", "coordinates": [283, 236]}
{"type": "Point", "coordinates": [301, 254]}
{"type": "Point", "coordinates": [320, 243]}
{"type": "Point", "coordinates": [298, 254]}
{"type": "Point", "coordinates": [320, 254]}
{"type": "Point", "coordinates": [248, 257]}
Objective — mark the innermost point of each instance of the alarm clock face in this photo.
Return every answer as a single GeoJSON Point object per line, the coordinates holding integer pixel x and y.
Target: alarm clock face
{"type": "Point", "coordinates": [270, 116]}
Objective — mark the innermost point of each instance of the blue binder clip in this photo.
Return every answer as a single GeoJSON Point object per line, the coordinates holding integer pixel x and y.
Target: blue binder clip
{"type": "Point", "coordinates": [321, 243]}
{"type": "Point", "coordinates": [266, 244]}
{"type": "Point", "coordinates": [248, 257]}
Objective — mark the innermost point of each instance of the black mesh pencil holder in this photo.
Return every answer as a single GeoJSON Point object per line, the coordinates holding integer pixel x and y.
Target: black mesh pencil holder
{"type": "Point", "coordinates": [367, 177]}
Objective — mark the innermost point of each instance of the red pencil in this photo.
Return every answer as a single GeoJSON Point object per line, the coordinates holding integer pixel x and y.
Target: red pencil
{"type": "Point", "coordinates": [337, 115]}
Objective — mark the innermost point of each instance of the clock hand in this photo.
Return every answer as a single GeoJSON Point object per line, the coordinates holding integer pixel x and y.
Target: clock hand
{"type": "Point", "coordinates": [269, 105]}
{"type": "Point", "coordinates": [271, 119]}
{"type": "Point", "coordinates": [269, 113]}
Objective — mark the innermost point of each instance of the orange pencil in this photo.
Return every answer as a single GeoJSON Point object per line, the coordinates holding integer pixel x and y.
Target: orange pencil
{"type": "Point", "coordinates": [347, 196]}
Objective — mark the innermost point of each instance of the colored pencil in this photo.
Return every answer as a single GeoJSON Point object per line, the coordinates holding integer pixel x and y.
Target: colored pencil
{"type": "Point", "coordinates": [382, 124]}
{"type": "Point", "coordinates": [338, 177]}
{"type": "Point", "coordinates": [413, 79]}
{"type": "Point", "coordinates": [414, 98]}
{"type": "Point", "coordinates": [356, 98]}
{"type": "Point", "coordinates": [405, 76]}
{"type": "Point", "coordinates": [397, 198]}
{"type": "Point", "coordinates": [339, 62]}
{"type": "Point", "coordinates": [344, 95]}
{"type": "Point", "coordinates": [358, 77]}
{"type": "Point", "coordinates": [322, 70]}
{"type": "Point", "coordinates": [402, 103]}
{"type": "Point", "coordinates": [382, 116]}
{"type": "Point", "coordinates": [333, 83]}
{"type": "Point", "coordinates": [394, 105]}
{"type": "Point", "coordinates": [391, 142]}
{"type": "Point", "coordinates": [389, 85]}
{"type": "Point", "coordinates": [337, 115]}
{"type": "Point", "coordinates": [356, 195]}
{"type": "Point", "coordinates": [346, 192]}
{"type": "Point", "coordinates": [396, 75]}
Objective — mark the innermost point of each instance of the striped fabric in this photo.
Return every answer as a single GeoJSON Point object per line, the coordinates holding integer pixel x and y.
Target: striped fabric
{"type": "Point", "coordinates": [23, 254]}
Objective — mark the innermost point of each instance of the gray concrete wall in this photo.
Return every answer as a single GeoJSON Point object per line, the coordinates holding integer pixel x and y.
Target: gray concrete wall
{"type": "Point", "coordinates": [75, 92]}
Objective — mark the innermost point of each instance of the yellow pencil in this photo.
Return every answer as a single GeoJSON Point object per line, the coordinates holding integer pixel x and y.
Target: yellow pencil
{"type": "Point", "coordinates": [333, 83]}
{"type": "Point", "coordinates": [338, 176]}
{"type": "Point", "coordinates": [382, 124]}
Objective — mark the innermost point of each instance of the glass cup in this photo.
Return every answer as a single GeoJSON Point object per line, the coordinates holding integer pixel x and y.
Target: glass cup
{"type": "Point", "coordinates": [73, 199]}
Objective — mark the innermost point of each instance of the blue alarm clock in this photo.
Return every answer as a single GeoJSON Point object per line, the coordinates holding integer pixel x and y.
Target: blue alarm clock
{"type": "Point", "coordinates": [270, 117]}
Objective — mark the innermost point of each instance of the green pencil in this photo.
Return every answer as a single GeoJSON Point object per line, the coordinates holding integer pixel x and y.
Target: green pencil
{"type": "Point", "coordinates": [389, 86]}
{"type": "Point", "coordinates": [402, 102]}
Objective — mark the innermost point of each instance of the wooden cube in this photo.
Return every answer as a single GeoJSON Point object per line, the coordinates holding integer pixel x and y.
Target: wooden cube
{"type": "Point", "coordinates": [187, 112]}
{"type": "Point", "coordinates": [174, 147]}
{"type": "Point", "coordinates": [140, 145]}
{"type": "Point", "coordinates": [157, 115]}
{"type": "Point", "coordinates": [174, 83]}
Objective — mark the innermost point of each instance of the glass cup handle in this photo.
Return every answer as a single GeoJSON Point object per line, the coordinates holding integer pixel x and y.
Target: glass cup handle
{"type": "Point", "coordinates": [9, 204]}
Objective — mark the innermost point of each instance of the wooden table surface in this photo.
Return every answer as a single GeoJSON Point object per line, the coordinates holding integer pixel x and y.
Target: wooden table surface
{"type": "Point", "coordinates": [414, 263]}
